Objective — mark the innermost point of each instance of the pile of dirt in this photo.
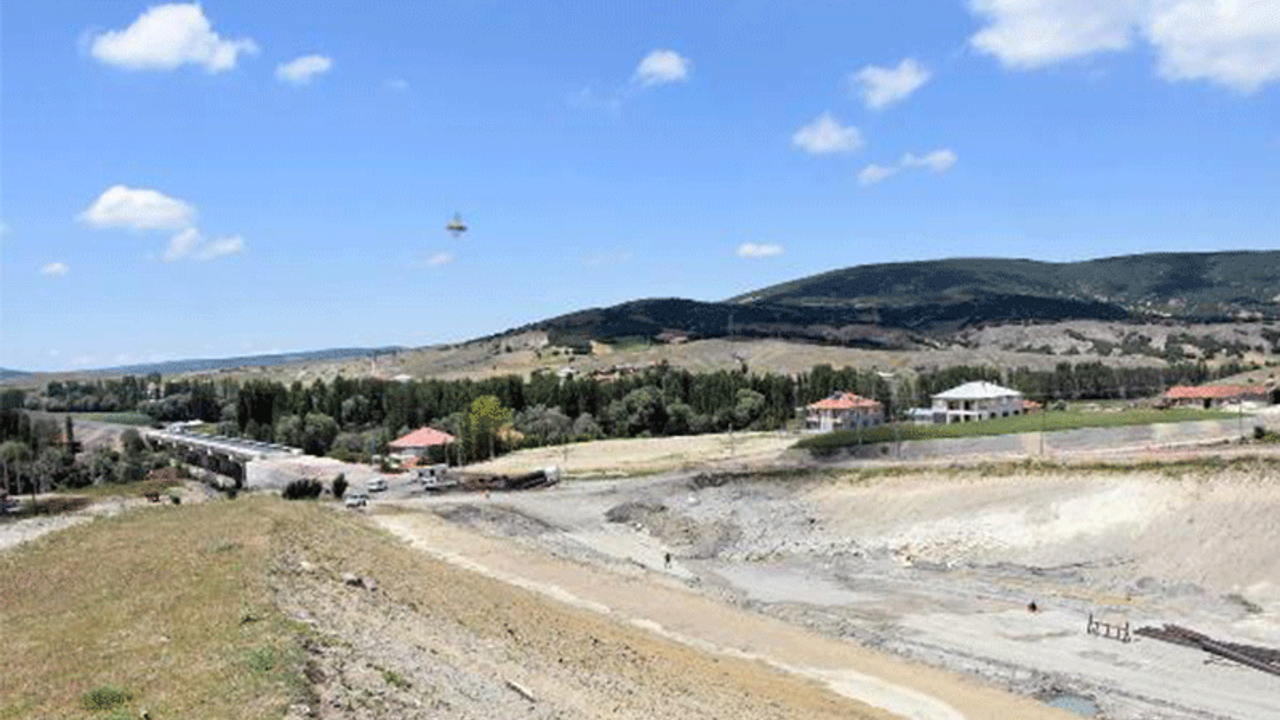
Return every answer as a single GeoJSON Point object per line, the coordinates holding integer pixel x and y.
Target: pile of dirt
{"type": "Point", "coordinates": [689, 537]}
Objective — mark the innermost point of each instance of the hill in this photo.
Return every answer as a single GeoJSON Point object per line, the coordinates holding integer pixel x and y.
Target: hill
{"type": "Point", "coordinates": [1180, 285]}
{"type": "Point", "coordinates": [898, 305]}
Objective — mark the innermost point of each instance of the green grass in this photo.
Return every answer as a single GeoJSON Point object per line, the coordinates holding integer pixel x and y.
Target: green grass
{"type": "Point", "coordinates": [1036, 422]}
{"type": "Point", "coordinates": [116, 418]}
{"type": "Point", "coordinates": [105, 697]}
{"type": "Point", "coordinates": [147, 609]}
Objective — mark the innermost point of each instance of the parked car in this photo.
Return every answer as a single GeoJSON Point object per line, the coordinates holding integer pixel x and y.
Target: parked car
{"type": "Point", "coordinates": [356, 500]}
{"type": "Point", "coordinates": [377, 485]}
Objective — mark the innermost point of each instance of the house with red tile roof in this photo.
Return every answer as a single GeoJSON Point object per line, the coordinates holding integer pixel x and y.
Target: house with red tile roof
{"type": "Point", "coordinates": [1209, 396]}
{"type": "Point", "coordinates": [843, 410]}
{"type": "Point", "coordinates": [419, 442]}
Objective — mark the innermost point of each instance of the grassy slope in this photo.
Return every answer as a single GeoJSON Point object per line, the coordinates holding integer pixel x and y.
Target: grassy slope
{"type": "Point", "coordinates": [168, 603]}
{"type": "Point", "coordinates": [1051, 421]}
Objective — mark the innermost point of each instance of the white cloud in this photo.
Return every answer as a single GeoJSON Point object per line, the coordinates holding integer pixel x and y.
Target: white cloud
{"type": "Point", "coordinates": [55, 269]}
{"type": "Point", "coordinates": [441, 258]}
{"type": "Point", "coordinates": [1035, 33]}
{"type": "Point", "coordinates": [191, 245]}
{"type": "Point", "coordinates": [1231, 42]}
{"type": "Point", "coordinates": [881, 87]}
{"type": "Point", "coordinates": [872, 174]}
{"type": "Point", "coordinates": [826, 135]}
{"type": "Point", "coordinates": [221, 248]}
{"type": "Point", "coordinates": [1234, 43]}
{"type": "Point", "coordinates": [137, 209]}
{"type": "Point", "coordinates": [182, 245]}
{"type": "Point", "coordinates": [660, 67]}
{"type": "Point", "coordinates": [753, 250]}
{"type": "Point", "coordinates": [396, 84]}
{"type": "Point", "coordinates": [938, 161]}
{"type": "Point", "coordinates": [167, 36]}
{"type": "Point", "coordinates": [300, 71]}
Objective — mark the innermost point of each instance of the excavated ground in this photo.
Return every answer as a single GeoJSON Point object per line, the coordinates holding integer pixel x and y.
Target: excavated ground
{"type": "Point", "coordinates": [940, 566]}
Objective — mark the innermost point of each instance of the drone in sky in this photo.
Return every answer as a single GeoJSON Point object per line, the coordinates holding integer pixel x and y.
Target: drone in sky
{"type": "Point", "coordinates": [456, 226]}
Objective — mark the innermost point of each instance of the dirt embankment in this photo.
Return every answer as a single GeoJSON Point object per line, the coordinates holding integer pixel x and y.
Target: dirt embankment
{"type": "Point", "coordinates": [413, 637]}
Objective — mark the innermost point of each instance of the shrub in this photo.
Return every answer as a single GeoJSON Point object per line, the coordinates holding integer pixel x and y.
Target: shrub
{"type": "Point", "coordinates": [305, 489]}
{"type": "Point", "coordinates": [340, 486]}
{"type": "Point", "coordinates": [106, 697]}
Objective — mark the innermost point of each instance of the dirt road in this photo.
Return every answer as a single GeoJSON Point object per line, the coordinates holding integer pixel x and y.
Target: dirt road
{"type": "Point", "coordinates": [668, 610]}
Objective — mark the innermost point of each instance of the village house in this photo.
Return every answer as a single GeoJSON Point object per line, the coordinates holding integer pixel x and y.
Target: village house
{"type": "Point", "coordinates": [978, 400]}
{"type": "Point", "coordinates": [419, 443]}
{"type": "Point", "coordinates": [1211, 396]}
{"type": "Point", "coordinates": [844, 410]}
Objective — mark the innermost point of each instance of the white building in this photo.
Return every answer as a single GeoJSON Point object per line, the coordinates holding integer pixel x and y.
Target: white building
{"type": "Point", "coordinates": [978, 400]}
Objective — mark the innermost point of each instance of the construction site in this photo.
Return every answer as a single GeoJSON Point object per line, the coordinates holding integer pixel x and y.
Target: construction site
{"type": "Point", "coordinates": [1107, 591]}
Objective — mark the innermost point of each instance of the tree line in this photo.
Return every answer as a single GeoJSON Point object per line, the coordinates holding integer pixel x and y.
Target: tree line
{"type": "Point", "coordinates": [357, 417]}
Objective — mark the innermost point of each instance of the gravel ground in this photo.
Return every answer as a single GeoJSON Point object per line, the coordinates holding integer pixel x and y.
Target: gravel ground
{"type": "Point", "coordinates": [940, 566]}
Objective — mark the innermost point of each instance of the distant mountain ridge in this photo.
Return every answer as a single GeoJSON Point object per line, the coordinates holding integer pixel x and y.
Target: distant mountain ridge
{"type": "Point", "coordinates": [1202, 285]}
{"type": "Point", "coordinates": [906, 304]}
{"type": "Point", "coordinates": [173, 367]}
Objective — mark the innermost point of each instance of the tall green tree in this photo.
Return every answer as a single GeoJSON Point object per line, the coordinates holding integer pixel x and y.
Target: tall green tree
{"type": "Point", "coordinates": [486, 416]}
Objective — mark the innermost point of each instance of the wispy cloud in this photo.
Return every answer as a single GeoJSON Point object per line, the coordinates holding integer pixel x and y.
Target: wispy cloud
{"type": "Point", "coordinates": [55, 269]}
{"type": "Point", "coordinates": [659, 67]}
{"type": "Point", "coordinates": [438, 259]}
{"type": "Point", "coordinates": [873, 173]}
{"type": "Point", "coordinates": [165, 37]}
{"type": "Point", "coordinates": [938, 161]}
{"type": "Point", "coordinates": [881, 87]}
{"type": "Point", "coordinates": [396, 84]}
{"type": "Point", "coordinates": [190, 244]}
{"type": "Point", "coordinates": [301, 71]}
{"type": "Point", "coordinates": [755, 251]}
{"type": "Point", "coordinates": [826, 135]}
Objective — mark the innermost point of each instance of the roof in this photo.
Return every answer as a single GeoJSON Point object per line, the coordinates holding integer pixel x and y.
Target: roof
{"type": "Point", "coordinates": [845, 401]}
{"type": "Point", "coordinates": [1212, 392]}
{"type": "Point", "coordinates": [422, 437]}
{"type": "Point", "coordinates": [977, 390]}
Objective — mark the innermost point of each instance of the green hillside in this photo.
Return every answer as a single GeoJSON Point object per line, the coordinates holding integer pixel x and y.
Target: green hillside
{"type": "Point", "coordinates": [1201, 285]}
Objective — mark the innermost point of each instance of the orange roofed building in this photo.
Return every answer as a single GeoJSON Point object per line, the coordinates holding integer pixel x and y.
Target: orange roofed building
{"type": "Point", "coordinates": [844, 410]}
{"type": "Point", "coordinates": [419, 442]}
{"type": "Point", "coordinates": [1208, 396]}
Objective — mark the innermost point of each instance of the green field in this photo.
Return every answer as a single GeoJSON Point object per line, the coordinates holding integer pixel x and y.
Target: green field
{"type": "Point", "coordinates": [1038, 422]}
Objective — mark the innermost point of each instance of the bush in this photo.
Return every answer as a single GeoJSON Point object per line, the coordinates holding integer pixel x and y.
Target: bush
{"type": "Point", "coordinates": [340, 486]}
{"type": "Point", "coordinates": [106, 697]}
{"type": "Point", "coordinates": [302, 490]}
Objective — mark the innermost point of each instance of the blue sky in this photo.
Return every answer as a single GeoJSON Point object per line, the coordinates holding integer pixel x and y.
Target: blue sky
{"type": "Point", "coordinates": [242, 177]}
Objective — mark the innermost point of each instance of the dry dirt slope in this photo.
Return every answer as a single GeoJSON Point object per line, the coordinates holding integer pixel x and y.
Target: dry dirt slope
{"type": "Point", "coordinates": [242, 609]}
